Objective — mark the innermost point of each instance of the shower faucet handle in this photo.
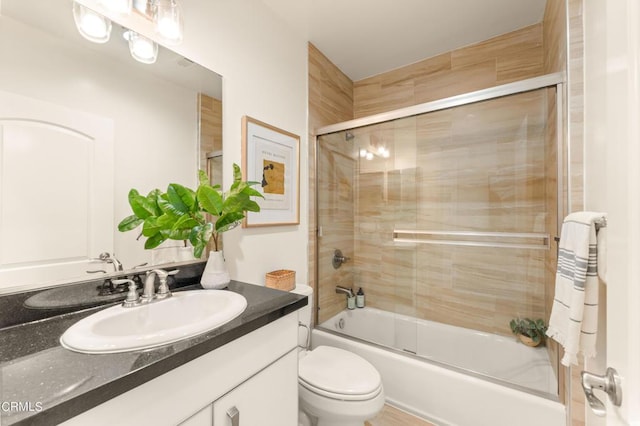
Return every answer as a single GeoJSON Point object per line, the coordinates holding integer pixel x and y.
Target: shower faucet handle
{"type": "Point", "coordinates": [339, 259]}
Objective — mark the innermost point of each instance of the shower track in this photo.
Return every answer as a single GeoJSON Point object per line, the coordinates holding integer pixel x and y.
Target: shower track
{"type": "Point", "coordinates": [508, 89]}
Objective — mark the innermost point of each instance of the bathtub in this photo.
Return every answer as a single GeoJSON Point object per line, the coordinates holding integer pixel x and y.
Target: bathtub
{"type": "Point", "coordinates": [496, 381]}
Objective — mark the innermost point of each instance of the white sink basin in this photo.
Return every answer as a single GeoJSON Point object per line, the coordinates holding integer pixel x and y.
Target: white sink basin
{"type": "Point", "coordinates": [185, 314]}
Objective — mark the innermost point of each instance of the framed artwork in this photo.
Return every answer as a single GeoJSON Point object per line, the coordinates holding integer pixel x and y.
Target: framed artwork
{"type": "Point", "coordinates": [271, 156]}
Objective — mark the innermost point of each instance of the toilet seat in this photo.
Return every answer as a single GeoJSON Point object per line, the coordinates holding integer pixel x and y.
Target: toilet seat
{"type": "Point", "coordinates": [338, 374]}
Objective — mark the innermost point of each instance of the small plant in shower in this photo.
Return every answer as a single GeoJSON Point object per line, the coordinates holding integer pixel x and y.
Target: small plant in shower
{"type": "Point", "coordinates": [531, 332]}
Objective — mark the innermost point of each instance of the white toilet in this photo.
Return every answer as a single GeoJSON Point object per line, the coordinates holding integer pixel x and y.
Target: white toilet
{"type": "Point", "coordinates": [335, 387]}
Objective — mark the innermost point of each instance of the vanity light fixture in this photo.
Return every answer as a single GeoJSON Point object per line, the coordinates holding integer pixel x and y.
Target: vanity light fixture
{"type": "Point", "coordinates": [168, 20]}
{"type": "Point", "coordinates": [165, 14]}
{"type": "Point", "coordinates": [91, 25]}
{"type": "Point", "coordinates": [142, 49]}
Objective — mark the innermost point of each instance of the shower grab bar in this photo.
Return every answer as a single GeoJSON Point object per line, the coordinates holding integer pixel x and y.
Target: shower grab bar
{"type": "Point", "coordinates": [473, 238]}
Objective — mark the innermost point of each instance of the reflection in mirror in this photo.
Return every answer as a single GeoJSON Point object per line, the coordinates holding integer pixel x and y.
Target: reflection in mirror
{"type": "Point", "coordinates": [80, 125]}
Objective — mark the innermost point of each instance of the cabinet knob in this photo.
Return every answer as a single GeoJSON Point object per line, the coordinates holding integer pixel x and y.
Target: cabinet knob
{"type": "Point", "coordinates": [234, 415]}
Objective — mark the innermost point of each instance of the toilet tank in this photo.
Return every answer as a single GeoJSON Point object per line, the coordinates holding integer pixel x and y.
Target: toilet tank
{"type": "Point", "coordinates": [304, 314]}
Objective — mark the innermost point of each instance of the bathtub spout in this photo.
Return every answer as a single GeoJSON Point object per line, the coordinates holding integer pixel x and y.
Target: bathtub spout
{"type": "Point", "coordinates": [344, 290]}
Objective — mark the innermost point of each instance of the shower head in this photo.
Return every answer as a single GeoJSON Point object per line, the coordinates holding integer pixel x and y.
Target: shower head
{"type": "Point", "coordinates": [348, 136]}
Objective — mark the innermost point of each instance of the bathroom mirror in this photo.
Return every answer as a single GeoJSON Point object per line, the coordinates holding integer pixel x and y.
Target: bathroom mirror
{"type": "Point", "coordinates": [81, 124]}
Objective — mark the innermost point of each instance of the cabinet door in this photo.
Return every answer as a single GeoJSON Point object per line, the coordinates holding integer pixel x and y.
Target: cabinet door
{"type": "Point", "coordinates": [270, 398]}
{"type": "Point", "coordinates": [203, 417]}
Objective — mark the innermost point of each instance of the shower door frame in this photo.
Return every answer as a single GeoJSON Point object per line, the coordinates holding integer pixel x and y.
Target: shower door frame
{"type": "Point", "coordinates": [557, 80]}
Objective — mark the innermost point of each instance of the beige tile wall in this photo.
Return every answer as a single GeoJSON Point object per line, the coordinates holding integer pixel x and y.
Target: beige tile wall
{"type": "Point", "coordinates": [330, 102]}
{"type": "Point", "coordinates": [554, 36]}
{"type": "Point", "coordinates": [210, 116]}
{"type": "Point", "coordinates": [503, 59]}
{"type": "Point", "coordinates": [575, 107]}
{"type": "Point", "coordinates": [466, 169]}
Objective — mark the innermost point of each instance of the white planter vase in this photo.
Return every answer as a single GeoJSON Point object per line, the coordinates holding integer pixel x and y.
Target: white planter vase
{"type": "Point", "coordinates": [215, 275]}
{"type": "Point", "coordinates": [185, 254]}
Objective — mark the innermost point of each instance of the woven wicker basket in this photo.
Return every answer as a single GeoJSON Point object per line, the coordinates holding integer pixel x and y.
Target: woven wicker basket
{"type": "Point", "coordinates": [281, 279]}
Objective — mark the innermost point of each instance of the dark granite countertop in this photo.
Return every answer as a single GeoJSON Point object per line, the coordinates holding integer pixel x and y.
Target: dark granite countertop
{"type": "Point", "coordinates": [53, 384]}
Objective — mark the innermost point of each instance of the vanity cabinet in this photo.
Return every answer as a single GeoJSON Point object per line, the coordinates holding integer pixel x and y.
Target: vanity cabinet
{"type": "Point", "coordinates": [256, 373]}
{"type": "Point", "coordinates": [270, 398]}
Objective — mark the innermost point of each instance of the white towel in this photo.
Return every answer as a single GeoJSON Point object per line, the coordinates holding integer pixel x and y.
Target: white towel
{"type": "Point", "coordinates": [574, 315]}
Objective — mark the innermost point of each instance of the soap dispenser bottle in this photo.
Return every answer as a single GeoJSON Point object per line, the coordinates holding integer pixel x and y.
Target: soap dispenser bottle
{"type": "Point", "coordinates": [351, 301]}
{"type": "Point", "coordinates": [360, 298]}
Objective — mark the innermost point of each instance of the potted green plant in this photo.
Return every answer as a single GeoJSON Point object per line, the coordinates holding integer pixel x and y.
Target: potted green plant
{"type": "Point", "coordinates": [530, 332]}
{"type": "Point", "coordinates": [197, 215]}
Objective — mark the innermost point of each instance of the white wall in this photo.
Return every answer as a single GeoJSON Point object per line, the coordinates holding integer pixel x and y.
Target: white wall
{"type": "Point", "coordinates": [264, 67]}
{"type": "Point", "coordinates": [612, 184]}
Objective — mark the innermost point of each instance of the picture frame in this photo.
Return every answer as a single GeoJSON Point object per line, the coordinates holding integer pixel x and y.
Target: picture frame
{"type": "Point", "coordinates": [271, 156]}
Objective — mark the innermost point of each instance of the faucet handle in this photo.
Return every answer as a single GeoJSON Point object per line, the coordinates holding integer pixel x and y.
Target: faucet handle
{"type": "Point", "coordinates": [163, 290]}
{"type": "Point", "coordinates": [338, 259]}
{"type": "Point", "coordinates": [132, 296]}
{"type": "Point", "coordinates": [161, 273]}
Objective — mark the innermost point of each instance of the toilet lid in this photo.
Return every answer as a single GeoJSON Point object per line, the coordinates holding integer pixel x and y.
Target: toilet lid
{"type": "Point", "coordinates": [339, 374]}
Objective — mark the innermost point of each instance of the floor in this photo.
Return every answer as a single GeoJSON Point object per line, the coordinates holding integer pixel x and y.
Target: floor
{"type": "Point", "coordinates": [391, 416]}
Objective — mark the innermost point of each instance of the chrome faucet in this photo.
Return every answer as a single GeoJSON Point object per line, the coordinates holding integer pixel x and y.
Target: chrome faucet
{"type": "Point", "coordinates": [148, 292]}
{"type": "Point", "coordinates": [344, 290]}
{"type": "Point", "coordinates": [109, 258]}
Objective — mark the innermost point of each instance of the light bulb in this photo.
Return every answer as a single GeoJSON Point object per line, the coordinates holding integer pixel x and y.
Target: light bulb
{"type": "Point", "coordinates": [90, 24]}
{"type": "Point", "coordinates": [369, 156]}
{"type": "Point", "coordinates": [363, 152]}
{"type": "Point", "coordinates": [168, 20]}
{"type": "Point", "coordinates": [141, 48]}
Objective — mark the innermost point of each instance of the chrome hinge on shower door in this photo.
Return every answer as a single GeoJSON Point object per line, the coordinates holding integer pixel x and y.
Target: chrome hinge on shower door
{"type": "Point", "coordinates": [609, 383]}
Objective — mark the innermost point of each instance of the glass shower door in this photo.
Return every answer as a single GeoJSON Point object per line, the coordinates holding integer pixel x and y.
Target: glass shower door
{"type": "Point", "coordinates": [447, 218]}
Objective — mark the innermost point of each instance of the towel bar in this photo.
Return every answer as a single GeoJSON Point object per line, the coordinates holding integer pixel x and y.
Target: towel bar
{"type": "Point", "coordinates": [523, 240]}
